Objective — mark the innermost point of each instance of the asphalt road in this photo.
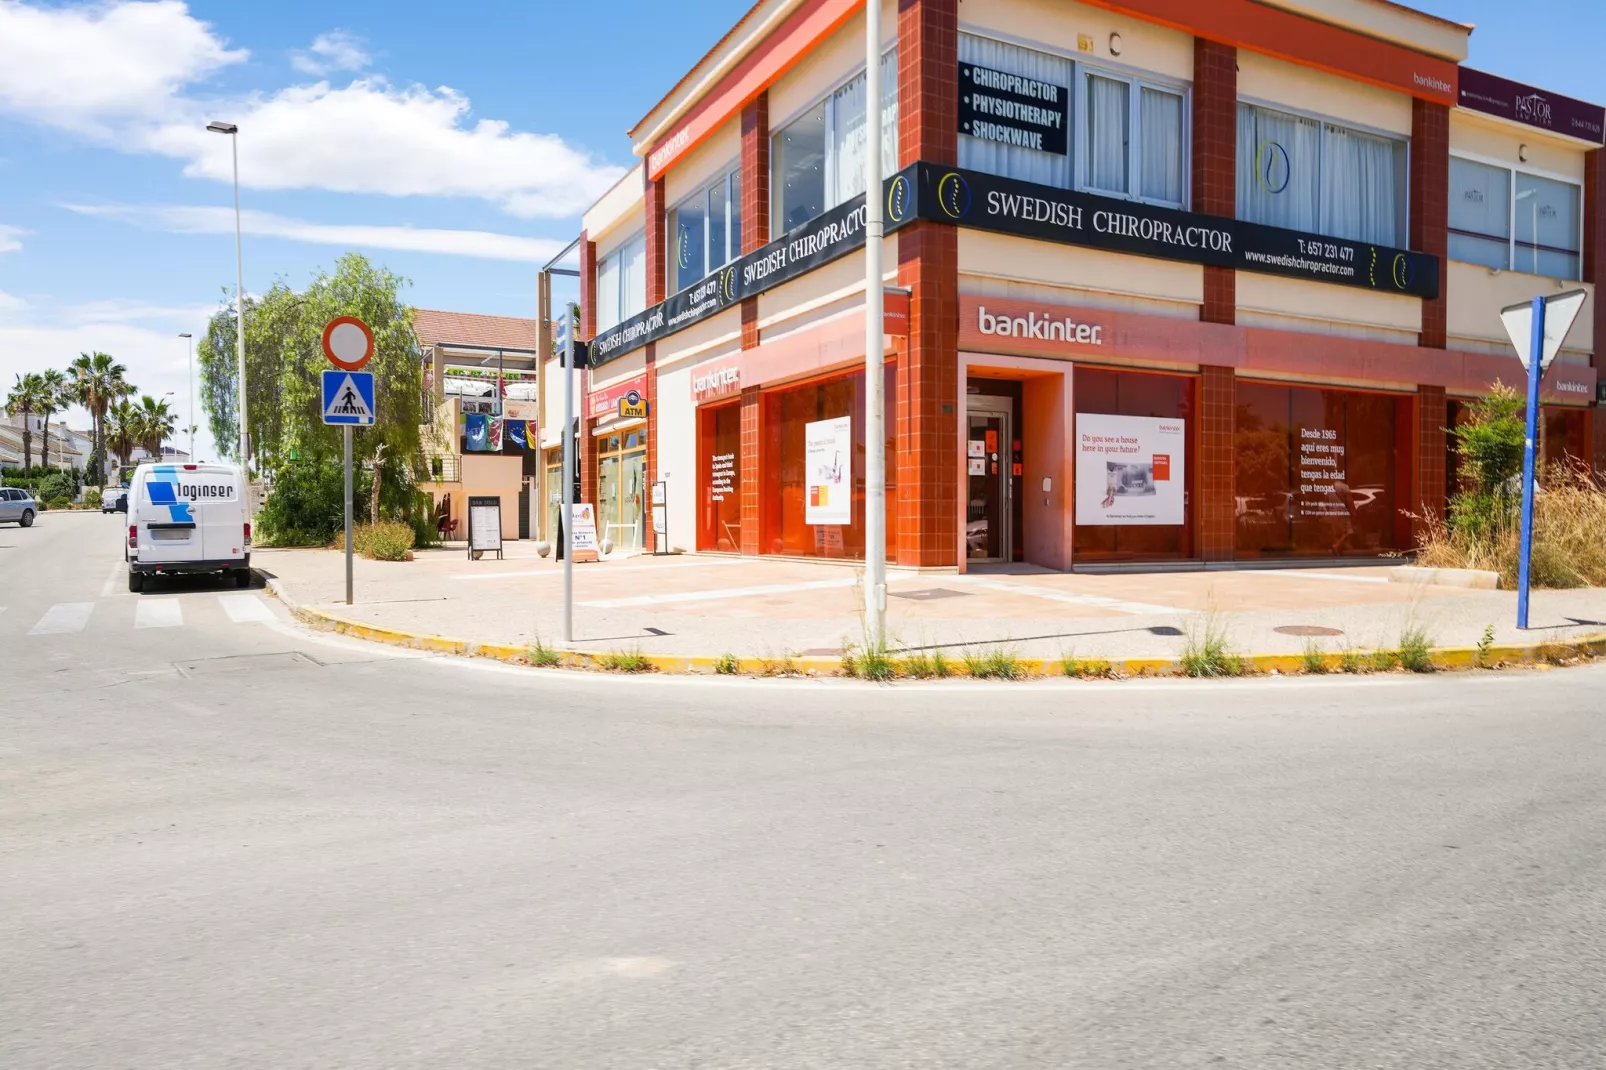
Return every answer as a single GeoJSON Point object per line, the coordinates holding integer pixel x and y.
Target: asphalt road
{"type": "Point", "coordinates": [226, 843]}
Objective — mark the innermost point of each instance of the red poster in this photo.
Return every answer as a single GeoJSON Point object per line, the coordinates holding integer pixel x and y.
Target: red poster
{"type": "Point", "coordinates": [1162, 467]}
{"type": "Point", "coordinates": [992, 441]}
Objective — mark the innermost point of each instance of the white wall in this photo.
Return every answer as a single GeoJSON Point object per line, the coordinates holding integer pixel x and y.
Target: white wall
{"type": "Point", "coordinates": [677, 454]}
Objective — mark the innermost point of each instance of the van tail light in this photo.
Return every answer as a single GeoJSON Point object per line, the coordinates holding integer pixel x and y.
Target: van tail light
{"type": "Point", "coordinates": [189, 468]}
{"type": "Point", "coordinates": [133, 536]}
{"type": "Point", "coordinates": [248, 533]}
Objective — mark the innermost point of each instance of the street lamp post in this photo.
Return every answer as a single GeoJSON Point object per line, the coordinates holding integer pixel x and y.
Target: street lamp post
{"type": "Point", "coordinates": [875, 465]}
{"type": "Point", "coordinates": [239, 292]}
{"type": "Point", "coordinates": [189, 340]}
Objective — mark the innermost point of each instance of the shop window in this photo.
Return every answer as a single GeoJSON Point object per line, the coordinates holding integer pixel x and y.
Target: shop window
{"type": "Point", "coordinates": [996, 156]}
{"type": "Point", "coordinates": [793, 470]}
{"type": "Point", "coordinates": [1303, 173]}
{"type": "Point", "coordinates": [1133, 143]}
{"type": "Point", "coordinates": [621, 488]}
{"type": "Point", "coordinates": [1319, 472]}
{"type": "Point", "coordinates": [1143, 397]}
{"type": "Point", "coordinates": [622, 282]}
{"type": "Point", "coordinates": [1514, 221]}
{"type": "Point", "coordinates": [705, 231]}
{"type": "Point", "coordinates": [817, 159]}
{"type": "Point", "coordinates": [719, 478]}
{"type": "Point", "coordinates": [1565, 437]}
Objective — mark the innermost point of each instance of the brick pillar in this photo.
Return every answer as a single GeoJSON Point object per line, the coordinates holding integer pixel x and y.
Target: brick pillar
{"type": "Point", "coordinates": [1429, 447]}
{"type": "Point", "coordinates": [588, 329]}
{"type": "Point", "coordinates": [756, 174]}
{"type": "Point", "coordinates": [1215, 161]}
{"type": "Point", "coordinates": [1215, 523]}
{"type": "Point", "coordinates": [1594, 266]}
{"type": "Point", "coordinates": [657, 285]}
{"type": "Point", "coordinates": [752, 471]}
{"type": "Point", "coordinates": [925, 517]}
{"type": "Point", "coordinates": [1430, 207]}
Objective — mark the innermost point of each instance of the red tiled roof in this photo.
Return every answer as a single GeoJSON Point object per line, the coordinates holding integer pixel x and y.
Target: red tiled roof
{"type": "Point", "coordinates": [434, 327]}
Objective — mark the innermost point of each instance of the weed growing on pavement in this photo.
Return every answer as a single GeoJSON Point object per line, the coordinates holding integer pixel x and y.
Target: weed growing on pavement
{"type": "Point", "coordinates": [1415, 652]}
{"type": "Point", "coordinates": [927, 666]}
{"type": "Point", "coordinates": [781, 666]}
{"type": "Point", "coordinates": [1205, 652]}
{"type": "Point", "coordinates": [1485, 645]}
{"type": "Point", "coordinates": [1552, 652]}
{"type": "Point", "coordinates": [999, 663]}
{"type": "Point", "coordinates": [542, 656]}
{"type": "Point", "coordinates": [632, 660]}
{"type": "Point", "coordinates": [727, 664]}
{"type": "Point", "coordinates": [1351, 661]}
{"type": "Point", "coordinates": [1314, 660]}
{"type": "Point", "coordinates": [1085, 668]}
{"type": "Point", "coordinates": [868, 662]}
{"type": "Point", "coordinates": [1383, 661]}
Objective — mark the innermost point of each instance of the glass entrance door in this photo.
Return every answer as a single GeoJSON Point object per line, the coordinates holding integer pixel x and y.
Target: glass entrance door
{"type": "Point", "coordinates": [621, 488]}
{"type": "Point", "coordinates": [987, 460]}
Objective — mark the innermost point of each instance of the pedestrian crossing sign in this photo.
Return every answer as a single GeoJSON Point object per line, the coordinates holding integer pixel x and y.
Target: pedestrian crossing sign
{"type": "Point", "coordinates": [348, 398]}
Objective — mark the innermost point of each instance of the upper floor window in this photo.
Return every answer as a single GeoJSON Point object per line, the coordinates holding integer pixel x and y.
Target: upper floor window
{"type": "Point", "coordinates": [1513, 220]}
{"type": "Point", "coordinates": [622, 282]}
{"type": "Point", "coordinates": [1306, 174]}
{"type": "Point", "coordinates": [705, 231]}
{"type": "Point", "coordinates": [991, 149]}
{"type": "Point", "coordinates": [1133, 143]}
{"type": "Point", "coordinates": [818, 159]}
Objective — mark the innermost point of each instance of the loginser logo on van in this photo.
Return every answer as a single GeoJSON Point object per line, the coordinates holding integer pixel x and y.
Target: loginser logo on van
{"type": "Point", "coordinates": [212, 492]}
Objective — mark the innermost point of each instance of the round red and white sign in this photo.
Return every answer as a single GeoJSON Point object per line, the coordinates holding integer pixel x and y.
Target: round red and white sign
{"type": "Point", "coordinates": [348, 343]}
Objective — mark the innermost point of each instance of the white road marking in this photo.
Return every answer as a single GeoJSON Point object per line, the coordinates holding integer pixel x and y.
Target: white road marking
{"type": "Point", "coordinates": [1120, 605]}
{"type": "Point", "coordinates": [244, 608]}
{"type": "Point", "coordinates": [159, 613]}
{"type": "Point", "coordinates": [1297, 574]}
{"type": "Point", "coordinates": [720, 594]}
{"type": "Point", "coordinates": [117, 581]}
{"type": "Point", "coordinates": [63, 617]}
{"type": "Point", "coordinates": [557, 573]}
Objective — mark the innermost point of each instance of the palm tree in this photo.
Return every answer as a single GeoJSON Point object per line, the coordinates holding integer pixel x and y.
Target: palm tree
{"type": "Point", "coordinates": [155, 424]}
{"type": "Point", "coordinates": [122, 429]}
{"type": "Point", "coordinates": [55, 396]}
{"type": "Point", "coordinates": [24, 401]}
{"type": "Point", "coordinates": [99, 381]}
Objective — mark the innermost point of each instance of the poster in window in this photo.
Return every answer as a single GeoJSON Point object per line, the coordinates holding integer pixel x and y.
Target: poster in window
{"type": "Point", "coordinates": [1129, 470]}
{"type": "Point", "coordinates": [828, 471]}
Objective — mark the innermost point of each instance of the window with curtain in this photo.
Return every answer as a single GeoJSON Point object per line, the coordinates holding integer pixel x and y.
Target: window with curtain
{"type": "Point", "coordinates": [1480, 214]}
{"type": "Point", "coordinates": [817, 160]}
{"type": "Point", "coordinates": [1016, 161]}
{"type": "Point", "coordinates": [705, 231]}
{"type": "Point", "coordinates": [1304, 174]}
{"type": "Point", "coordinates": [1132, 140]}
{"type": "Point", "coordinates": [1109, 117]}
{"type": "Point", "coordinates": [622, 282]}
{"type": "Point", "coordinates": [1514, 221]}
{"type": "Point", "coordinates": [608, 281]}
{"type": "Point", "coordinates": [1160, 146]}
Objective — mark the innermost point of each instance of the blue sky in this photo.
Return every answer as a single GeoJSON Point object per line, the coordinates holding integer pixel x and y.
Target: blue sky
{"type": "Point", "coordinates": [405, 130]}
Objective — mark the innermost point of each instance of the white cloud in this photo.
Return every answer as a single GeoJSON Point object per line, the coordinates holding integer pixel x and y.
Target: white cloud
{"type": "Point", "coordinates": [329, 52]}
{"type": "Point", "coordinates": [206, 219]}
{"type": "Point", "coordinates": [8, 238]}
{"type": "Point", "coordinates": [124, 73]}
{"type": "Point", "coordinates": [83, 67]}
{"type": "Point", "coordinates": [10, 303]}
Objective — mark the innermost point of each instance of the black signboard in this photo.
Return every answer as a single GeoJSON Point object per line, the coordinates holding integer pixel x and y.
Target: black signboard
{"type": "Point", "coordinates": [819, 241]}
{"type": "Point", "coordinates": [989, 202]}
{"type": "Point", "coordinates": [1012, 110]}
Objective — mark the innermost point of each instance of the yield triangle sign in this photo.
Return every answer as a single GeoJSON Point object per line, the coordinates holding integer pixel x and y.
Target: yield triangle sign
{"type": "Point", "coordinates": [348, 398]}
{"type": "Point", "coordinates": [1560, 311]}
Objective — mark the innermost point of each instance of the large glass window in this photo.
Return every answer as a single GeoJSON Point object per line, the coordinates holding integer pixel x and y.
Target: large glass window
{"type": "Point", "coordinates": [997, 157]}
{"type": "Point", "coordinates": [1513, 220]}
{"type": "Point", "coordinates": [622, 282]}
{"type": "Point", "coordinates": [719, 476]}
{"type": "Point", "coordinates": [1319, 472]}
{"type": "Point", "coordinates": [1112, 393]}
{"type": "Point", "coordinates": [705, 231]}
{"type": "Point", "coordinates": [818, 159]}
{"type": "Point", "coordinates": [1306, 174]}
{"type": "Point", "coordinates": [1480, 214]}
{"type": "Point", "coordinates": [787, 413]}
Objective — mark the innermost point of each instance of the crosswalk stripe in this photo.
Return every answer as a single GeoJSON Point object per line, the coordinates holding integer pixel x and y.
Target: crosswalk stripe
{"type": "Point", "coordinates": [244, 608]}
{"type": "Point", "coordinates": [159, 613]}
{"type": "Point", "coordinates": [63, 617]}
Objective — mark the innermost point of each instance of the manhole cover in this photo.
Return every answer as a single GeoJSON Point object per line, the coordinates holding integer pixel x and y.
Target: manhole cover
{"type": "Point", "coordinates": [245, 663]}
{"type": "Point", "coordinates": [1307, 630]}
{"type": "Point", "coordinates": [930, 594]}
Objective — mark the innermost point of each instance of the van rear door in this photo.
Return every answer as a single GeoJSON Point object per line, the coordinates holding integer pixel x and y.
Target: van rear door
{"type": "Point", "coordinates": [216, 502]}
{"type": "Point", "coordinates": [168, 532]}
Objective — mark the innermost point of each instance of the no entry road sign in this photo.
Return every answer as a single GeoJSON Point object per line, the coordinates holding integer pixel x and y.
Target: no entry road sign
{"type": "Point", "coordinates": [348, 343]}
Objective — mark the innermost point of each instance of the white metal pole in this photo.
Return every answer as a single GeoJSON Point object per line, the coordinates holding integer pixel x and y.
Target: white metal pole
{"type": "Point", "coordinates": [347, 451]}
{"type": "Point", "coordinates": [875, 474]}
{"type": "Point", "coordinates": [192, 397]}
{"type": "Point", "coordinates": [239, 315]}
{"type": "Point", "coordinates": [566, 479]}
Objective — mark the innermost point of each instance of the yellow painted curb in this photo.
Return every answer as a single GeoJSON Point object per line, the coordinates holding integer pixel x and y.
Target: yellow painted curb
{"type": "Point", "coordinates": [1443, 658]}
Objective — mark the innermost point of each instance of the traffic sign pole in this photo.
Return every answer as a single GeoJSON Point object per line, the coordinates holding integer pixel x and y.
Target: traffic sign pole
{"type": "Point", "coordinates": [347, 430]}
{"type": "Point", "coordinates": [349, 400]}
{"type": "Point", "coordinates": [566, 514]}
{"type": "Point", "coordinates": [1535, 370]}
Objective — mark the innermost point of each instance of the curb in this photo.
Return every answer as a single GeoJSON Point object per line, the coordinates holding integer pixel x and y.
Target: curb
{"type": "Point", "coordinates": [1545, 652]}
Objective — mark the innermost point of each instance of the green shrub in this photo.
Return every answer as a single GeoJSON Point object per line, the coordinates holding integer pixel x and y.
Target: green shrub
{"type": "Point", "coordinates": [92, 498]}
{"type": "Point", "coordinates": [1485, 645]}
{"type": "Point", "coordinates": [1415, 653]}
{"type": "Point", "coordinates": [625, 661]}
{"type": "Point", "coordinates": [999, 663]}
{"type": "Point", "coordinates": [1205, 652]}
{"type": "Point", "coordinates": [59, 501]}
{"type": "Point", "coordinates": [926, 666]}
{"type": "Point", "coordinates": [58, 486]}
{"type": "Point", "coordinates": [727, 665]}
{"type": "Point", "coordinates": [868, 662]}
{"type": "Point", "coordinates": [388, 540]}
{"type": "Point", "coordinates": [306, 506]}
{"type": "Point", "coordinates": [1314, 660]}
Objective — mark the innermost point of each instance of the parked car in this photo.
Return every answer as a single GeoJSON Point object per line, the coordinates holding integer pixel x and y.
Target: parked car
{"type": "Point", "coordinates": [17, 506]}
{"type": "Point", "coordinates": [114, 501]}
{"type": "Point", "coordinates": [187, 518]}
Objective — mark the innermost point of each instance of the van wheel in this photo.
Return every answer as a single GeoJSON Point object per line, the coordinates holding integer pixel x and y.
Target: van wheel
{"type": "Point", "coordinates": [27, 518]}
{"type": "Point", "coordinates": [136, 581]}
{"type": "Point", "coordinates": [242, 577]}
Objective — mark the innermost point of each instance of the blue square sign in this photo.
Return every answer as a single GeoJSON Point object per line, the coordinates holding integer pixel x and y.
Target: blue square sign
{"type": "Point", "coordinates": [348, 398]}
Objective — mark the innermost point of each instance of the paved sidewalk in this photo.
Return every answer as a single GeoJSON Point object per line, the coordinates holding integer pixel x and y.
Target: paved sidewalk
{"type": "Point", "coordinates": [754, 608]}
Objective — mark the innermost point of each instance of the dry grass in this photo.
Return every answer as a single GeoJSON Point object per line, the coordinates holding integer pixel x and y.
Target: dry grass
{"type": "Point", "coordinates": [1569, 551]}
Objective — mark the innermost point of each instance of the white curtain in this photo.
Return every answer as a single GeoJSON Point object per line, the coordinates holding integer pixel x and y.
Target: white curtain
{"type": "Point", "coordinates": [1363, 179]}
{"type": "Point", "coordinates": [1278, 157]}
{"type": "Point", "coordinates": [1109, 114]}
{"type": "Point", "coordinates": [633, 277]}
{"type": "Point", "coordinates": [608, 290]}
{"type": "Point", "coordinates": [1047, 168]}
{"type": "Point", "coordinates": [1160, 145]}
{"type": "Point", "coordinates": [1547, 227]}
{"type": "Point", "coordinates": [1480, 214]}
{"type": "Point", "coordinates": [846, 152]}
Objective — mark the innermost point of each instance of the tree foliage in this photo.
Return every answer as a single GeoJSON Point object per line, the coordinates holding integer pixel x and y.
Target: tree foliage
{"type": "Point", "coordinates": [1490, 447]}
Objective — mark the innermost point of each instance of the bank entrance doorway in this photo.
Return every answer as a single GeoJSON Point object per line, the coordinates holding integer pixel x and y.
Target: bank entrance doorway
{"type": "Point", "coordinates": [987, 465]}
{"type": "Point", "coordinates": [621, 485]}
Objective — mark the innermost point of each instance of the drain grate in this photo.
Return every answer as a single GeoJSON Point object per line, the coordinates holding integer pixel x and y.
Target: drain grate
{"type": "Point", "coordinates": [244, 663]}
{"type": "Point", "coordinates": [930, 594]}
{"type": "Point", "coordinates": [1307, 631]}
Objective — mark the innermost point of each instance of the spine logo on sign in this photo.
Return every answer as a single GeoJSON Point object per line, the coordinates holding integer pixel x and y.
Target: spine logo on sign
{"type": "Point", "coordinates": [1273, 167]}
{"type": "Point", "coordinates": [953, 195]}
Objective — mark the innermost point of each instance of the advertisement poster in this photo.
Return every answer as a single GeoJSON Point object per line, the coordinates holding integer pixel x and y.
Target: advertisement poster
{"type": "Point", "coordinates": [828, 471]}
{"type": "Point", "coordinates": [1130, 470]}
{"type": "Point", "coordinates": [583, 533]}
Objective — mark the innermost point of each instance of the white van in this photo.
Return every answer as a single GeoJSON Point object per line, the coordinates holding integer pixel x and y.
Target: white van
{"type": "Point", "coordinates": [187, 518]}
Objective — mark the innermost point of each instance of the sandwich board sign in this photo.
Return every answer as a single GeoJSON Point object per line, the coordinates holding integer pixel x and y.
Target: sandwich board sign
{"type": "Point", "coordinates": [484, 525]}
{"type": "Point", "coordinates": [583, 533]}
{"type": "Point", "coordinates": [348, 398]}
